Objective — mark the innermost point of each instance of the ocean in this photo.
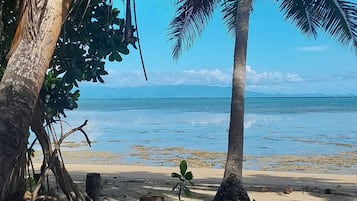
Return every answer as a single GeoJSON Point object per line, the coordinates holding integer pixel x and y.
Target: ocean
{"type": "Point", "coordinates": [274, 127]}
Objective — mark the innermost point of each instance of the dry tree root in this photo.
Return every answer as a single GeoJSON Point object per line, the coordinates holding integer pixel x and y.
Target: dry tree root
{"type": "Point", "coordinates": [52, 157]}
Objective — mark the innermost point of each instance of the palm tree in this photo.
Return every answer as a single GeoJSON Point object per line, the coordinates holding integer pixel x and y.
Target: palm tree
{"type": "Point", "coordinates": [31, 52]}
{"type": "Point", "coordinates": [336, 17]}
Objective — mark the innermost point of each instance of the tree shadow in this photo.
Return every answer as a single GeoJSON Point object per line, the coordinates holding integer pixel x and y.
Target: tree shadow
{"type": "Point", "coordinates": [131, 186]}
{"type": "Point", "coordinates": [128, 186]}
{"type": "Point", "coordinates": [317, 186]}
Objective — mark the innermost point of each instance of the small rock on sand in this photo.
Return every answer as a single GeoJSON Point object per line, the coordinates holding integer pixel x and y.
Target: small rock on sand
{"type": "Point", "coordinates": [288, 190]}
{"type": "Point", "coordinates": [151, 198]}
{"type": "Point", "coordinates": [264, 189]}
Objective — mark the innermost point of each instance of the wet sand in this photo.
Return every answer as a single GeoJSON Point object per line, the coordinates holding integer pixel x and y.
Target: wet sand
{"type": "Point", "coordinates": [341, 163]}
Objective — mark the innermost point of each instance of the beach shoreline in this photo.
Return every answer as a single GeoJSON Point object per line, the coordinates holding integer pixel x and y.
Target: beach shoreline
{"type": "Point", "coordinates": [342, 163]}
{"type": "Point", "coordinates": [129, 182]}
{"type": "Point", "coordinates": [312, 177]}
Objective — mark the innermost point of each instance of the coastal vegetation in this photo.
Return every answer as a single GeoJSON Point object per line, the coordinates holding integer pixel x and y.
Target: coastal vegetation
{"type": "Point", "coordinates": [47, 47]}
{"type": "Point", "coordinates": [337, 18]}
{"type": "Point", "coordinates": [185, 178]}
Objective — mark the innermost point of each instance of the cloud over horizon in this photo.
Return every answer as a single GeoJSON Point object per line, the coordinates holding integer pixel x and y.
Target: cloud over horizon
{"type": "Point", "coordinates": [267, 77]}
{"type": "Point", "coordinates": [205, 77]}
{"type": "Point", "coordinates": [257, 81]}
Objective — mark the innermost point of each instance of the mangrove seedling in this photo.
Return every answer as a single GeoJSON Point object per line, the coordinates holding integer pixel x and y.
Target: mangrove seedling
{"type": "Point", "coordinates": [185, 177]}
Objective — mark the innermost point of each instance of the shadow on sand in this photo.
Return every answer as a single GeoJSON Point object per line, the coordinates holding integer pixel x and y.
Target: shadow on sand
{"type": "Point", "coordinates": [131, 186]}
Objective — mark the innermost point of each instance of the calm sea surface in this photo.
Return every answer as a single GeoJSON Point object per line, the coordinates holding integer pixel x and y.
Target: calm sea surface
{"type": "Point", "coordinates": [273, 126]}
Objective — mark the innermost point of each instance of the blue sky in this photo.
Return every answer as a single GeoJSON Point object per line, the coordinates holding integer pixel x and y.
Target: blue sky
{"type": "Point", "coordinates": [280, 58]}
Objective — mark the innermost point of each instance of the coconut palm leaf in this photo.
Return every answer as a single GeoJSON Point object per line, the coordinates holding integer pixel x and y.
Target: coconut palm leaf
{"type": "Point", "coordinates": [337, 17]}
{"type": "Point", "coordinates": [190, 18]}
{"type": "Point", "coordinates": [303, 14]}
{"type": "Point", "coordinates": [229, 10]}
{"type": "Point", "coordinates": [340, 20]}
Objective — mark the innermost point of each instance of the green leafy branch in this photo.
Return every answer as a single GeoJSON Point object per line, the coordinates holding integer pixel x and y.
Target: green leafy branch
{"type": "Point", "coordinates": [185, 177]}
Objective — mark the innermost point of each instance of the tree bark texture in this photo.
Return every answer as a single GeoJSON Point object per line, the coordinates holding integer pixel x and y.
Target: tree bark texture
{"type": "Point", "coordinates": [38, 31]}
{"type": "Point", "coordinates": [1, 19]}
{"type": "Point", "coordinates": [234, 163]}
{"type": "Point", "coordinates": [231, 187]}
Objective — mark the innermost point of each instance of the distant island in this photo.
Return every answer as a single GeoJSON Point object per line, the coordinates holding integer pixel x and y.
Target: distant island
{"type": "Point", "coordinates": [176, 91]}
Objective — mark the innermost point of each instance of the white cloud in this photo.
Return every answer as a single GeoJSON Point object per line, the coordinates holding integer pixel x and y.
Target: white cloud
{"type": "Point", "coordinates": [317, 48]}
{"type": "Point", "coordinates": [293, 77]}
{"type": "Point", "coordinates": [207, 77]}
{"type": "Point", "coordinates": [211, 77]}
{"type": "Point", "coordinates": [258, 81]}
{"type": "Point", "coordinates": [124, 79]}
{"type": "Point", "coordinates": [267, 77]}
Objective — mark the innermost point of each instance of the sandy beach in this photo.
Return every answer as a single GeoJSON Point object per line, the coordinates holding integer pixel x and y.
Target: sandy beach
{"type": "Point", "coordinates": [130, 182]}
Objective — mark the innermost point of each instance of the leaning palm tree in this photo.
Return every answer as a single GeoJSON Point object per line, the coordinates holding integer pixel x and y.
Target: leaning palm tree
{"type": "Point", "coordinates": [28, 59]}
{"type": "Point", "coordinates": [336, 17]}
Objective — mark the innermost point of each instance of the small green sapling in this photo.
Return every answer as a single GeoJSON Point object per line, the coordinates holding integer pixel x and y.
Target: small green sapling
{"type": "Point", "coordinates": [184, 178]}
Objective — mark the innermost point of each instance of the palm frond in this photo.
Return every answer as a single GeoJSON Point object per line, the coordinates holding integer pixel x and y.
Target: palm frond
{"type": "Point", "coordinates": [229, 10]}
{"type": "Point", "coordinates": [230, 14]}
{"type": "Point", "coordinates": [303, 13]}
{"type": "Point", "coordinates": [340, 20]}
{"type": "Point", "coordinates": [190, 18]}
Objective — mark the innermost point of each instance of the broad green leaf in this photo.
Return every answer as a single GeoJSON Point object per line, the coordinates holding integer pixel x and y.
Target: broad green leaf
{"type": "Point", "coordinates": [183, 167]}
{"type": "Point", "coordinates": [189, 176]}
{"type": "Point", "coordinates": [76, 94]}
{"type": "Point", "coordinates": [111, 57]}
{"type": "Point", "coordinates": [115, 56]}
{"type": "Point", "coordinates": [175, 175]}
{"type": "Point", "coordinates": [123, 50]}
{"type": "Point", "coordinates": [81, 52]}
{"type": "Point", "coordinates": [31, 181]}
{"type": "Point", "coordinates": [187, 191]}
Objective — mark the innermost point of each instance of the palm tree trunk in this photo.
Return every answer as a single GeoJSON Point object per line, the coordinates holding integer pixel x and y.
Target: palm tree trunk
{"type": "Point", "coordinates": [234, 161]}
{"type": "Point", "coordinates": [231, 187]}
{"type": "Point", "coordinates": [38, 30]}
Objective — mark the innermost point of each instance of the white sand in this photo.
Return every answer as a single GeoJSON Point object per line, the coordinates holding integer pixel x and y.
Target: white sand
{"type": "Point", "coordinates": [129, 182]}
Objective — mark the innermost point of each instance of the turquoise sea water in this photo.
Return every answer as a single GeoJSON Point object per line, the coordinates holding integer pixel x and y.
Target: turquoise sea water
{"type": "Point", "coordinates": [273, 126]}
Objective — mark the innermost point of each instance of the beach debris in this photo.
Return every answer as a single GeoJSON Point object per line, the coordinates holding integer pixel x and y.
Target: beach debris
{"type": "Point", "coordinates": [288, 190]}
{"type": "Point", "coordinates": [329, 191]}
{"type": "Point", "coordinates": [152, 198]}
{"type": "Point", "coordinates": [93, 186]}
{"type": "Point", "coordinates": [27, 196]}
{"type": "Point", "coordinates": [264, 189]}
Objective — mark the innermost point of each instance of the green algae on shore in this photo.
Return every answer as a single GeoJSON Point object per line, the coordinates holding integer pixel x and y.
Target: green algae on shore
{"type": "Point", "coordinates": [342, 163]}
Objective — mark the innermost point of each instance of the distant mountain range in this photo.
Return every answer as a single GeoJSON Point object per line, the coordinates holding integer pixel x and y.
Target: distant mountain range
{"type": "Point", "coordinates": [179, 91]}
{"type": "Point", "coordinates": [155, 92]}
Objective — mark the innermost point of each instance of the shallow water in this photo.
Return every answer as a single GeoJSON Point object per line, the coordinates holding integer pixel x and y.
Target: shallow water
{"type": "Point", "coordinates": [273, 126]}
